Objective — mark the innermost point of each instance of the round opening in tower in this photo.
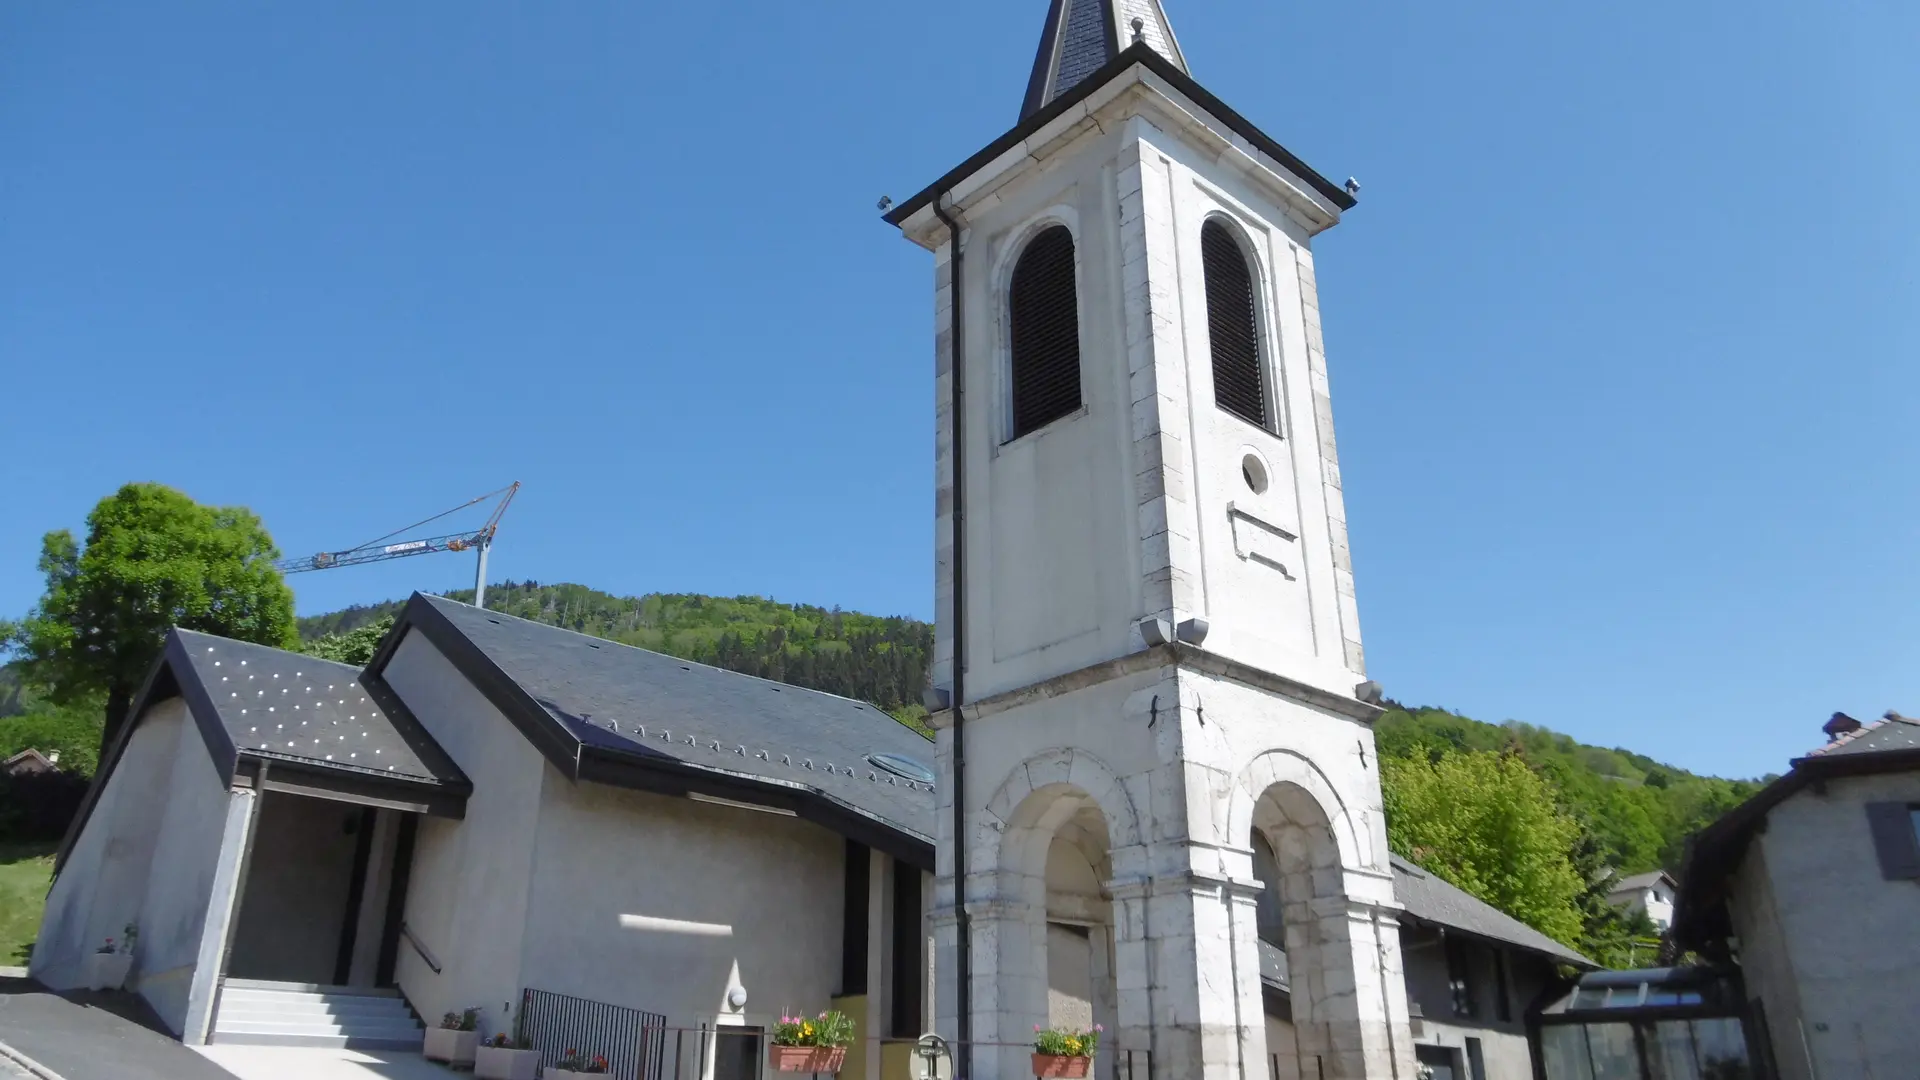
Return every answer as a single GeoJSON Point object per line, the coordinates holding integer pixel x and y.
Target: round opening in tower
{"type": "Point", "coordinates": [1254, 471]}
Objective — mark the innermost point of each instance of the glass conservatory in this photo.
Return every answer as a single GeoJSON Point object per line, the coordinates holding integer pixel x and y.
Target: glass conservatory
{"type": "Point", "coordinates": [1681, 1023]}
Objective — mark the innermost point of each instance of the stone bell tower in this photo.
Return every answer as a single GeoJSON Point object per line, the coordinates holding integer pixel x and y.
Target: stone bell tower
{"type": "Point", "coordinates": [1158, 785]}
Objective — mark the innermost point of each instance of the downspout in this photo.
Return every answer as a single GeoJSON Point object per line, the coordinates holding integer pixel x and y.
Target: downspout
{"type": "Point", "coordinates": [956, 447]}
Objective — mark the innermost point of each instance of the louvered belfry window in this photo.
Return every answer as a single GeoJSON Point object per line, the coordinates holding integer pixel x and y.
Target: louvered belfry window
{"type": "Point", "coordinates": [1232, 332]}
{"type": "Point", "coordinates": [1045, 313]}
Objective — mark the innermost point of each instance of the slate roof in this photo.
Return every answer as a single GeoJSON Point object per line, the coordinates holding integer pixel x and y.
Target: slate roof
{"type": "Point", "coordinates": [1636, 882]}
{"type": "Point", "coordinates": [282, 705]}
{"type": "Point", "coordinates": [610, 712]}
{"type": "Point", "coordinates": [1081, 36]}
{"type": "Point", "coordinates": [1895, 732]}
{"type": "Point", "coordinates": [1429, 899]}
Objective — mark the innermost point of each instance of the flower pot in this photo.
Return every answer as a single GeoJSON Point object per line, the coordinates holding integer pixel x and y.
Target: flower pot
{"type": "Point", "coordinates": [554, 1072]}
{"type": "Point", "coordinates": [1061, 1066]}
{"type": "Point", "coordinates": [451, 1046]}
{"type": "Point", "coordinates": [810, 1059]}
{"type": "Point", "coordinates": [502, 1063]}
{"type": "Point", "coordinates": [108, 971]}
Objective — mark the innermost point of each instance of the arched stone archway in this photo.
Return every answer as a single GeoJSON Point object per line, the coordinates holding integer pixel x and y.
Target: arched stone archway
{"type": "Point", "coordinates": [1047, 943]}
{"type": "Point", "coordinates": [1341, 950]}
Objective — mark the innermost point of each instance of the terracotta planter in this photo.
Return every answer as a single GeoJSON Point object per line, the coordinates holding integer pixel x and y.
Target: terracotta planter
{"type": "Point", "coordinates": [505, 1063]}
{"type": "Point", "coordinates": [807, 1059]}
{"type": "Point", "coordinates": [1060, 1066]}
{"type": "Point", "coordinates": [450, 1046]}
{"type": "Point", "coordinates": [555, 1073]}
{"type": "Point", "coordinates": [108, 971]}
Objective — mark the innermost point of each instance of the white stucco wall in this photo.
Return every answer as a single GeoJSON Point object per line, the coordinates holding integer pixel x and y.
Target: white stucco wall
{"type": "Point", "coordinates": [663, 904]}
{"type": "Point", "coordinates": [467, 897]}
{"type": "Point", "coordinates": [103, 883]}
{"type": "Point", "coordinates": [1828, 945]}
{"type": "Point", "coordinates": [173, 917]}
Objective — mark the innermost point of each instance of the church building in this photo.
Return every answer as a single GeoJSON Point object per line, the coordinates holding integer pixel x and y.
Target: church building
{"type": "Point", "coordinates": [1153, 803]}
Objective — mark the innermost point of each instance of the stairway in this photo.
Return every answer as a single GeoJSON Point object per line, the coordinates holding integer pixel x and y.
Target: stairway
{"type": "Point", "coordinates": [303, 1014]}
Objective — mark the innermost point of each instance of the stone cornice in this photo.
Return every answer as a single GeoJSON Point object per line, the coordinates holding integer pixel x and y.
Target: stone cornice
{"type": "Point", "coordinates": [1176, 655]}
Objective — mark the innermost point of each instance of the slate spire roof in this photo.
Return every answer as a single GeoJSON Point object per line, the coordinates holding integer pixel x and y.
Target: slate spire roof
{"type": "Point", "coordinates": [1082, 35]}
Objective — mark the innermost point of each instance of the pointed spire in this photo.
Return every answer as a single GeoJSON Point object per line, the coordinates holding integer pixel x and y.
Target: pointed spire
{"type": "Point", "coordinates": [1082, 35]}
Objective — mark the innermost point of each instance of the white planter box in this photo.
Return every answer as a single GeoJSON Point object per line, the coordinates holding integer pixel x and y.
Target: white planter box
{"type": "Point", "coordinates": [494, 1063]}
{"type": "Point", "coordinates": [450, 1046]}
{"type": "Point", "coordinates": [108, 971]}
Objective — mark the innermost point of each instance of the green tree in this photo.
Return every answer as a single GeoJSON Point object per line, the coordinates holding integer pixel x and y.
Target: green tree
{"type": "Point", "coordinates": [355, 646]}
{"type": "Point", "coordinates": [1489, 824]}
{"type": "Point", "coordinates": [153, 559]}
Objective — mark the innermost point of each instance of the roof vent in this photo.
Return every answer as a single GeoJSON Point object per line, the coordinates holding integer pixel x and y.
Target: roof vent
{"type": "Point", "coordinates": [1841, 724]}
{"type": "Point", "coordinates": [904, 767]}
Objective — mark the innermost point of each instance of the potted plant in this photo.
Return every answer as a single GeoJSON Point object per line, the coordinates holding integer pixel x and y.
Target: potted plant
{"type": "Point", "coordinates": [454, 1040]}
{"type": "Point", "coordinates": [815, 1045]}
{"type": "Point", "coordinates": [575, 1064]}
{"type": "Point", "coordinates": [1064, 1053]}
{"type": "Point", "coordinates": [504, 1058]}
{"type": "Point", "coordinates": [108, 966]}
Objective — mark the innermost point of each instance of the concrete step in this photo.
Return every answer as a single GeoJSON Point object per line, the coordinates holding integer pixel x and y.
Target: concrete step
{"type": "Point", "coordinates": [257, 1013]}
{"type": "Point", "coordinates": [309, 988]}
{"type": "Point", "coordinates": [321, 1042]}
{"type": "Point", "coordinates": [314, 1027]}
{"type": "Point", "coordinates": [315, 1004]}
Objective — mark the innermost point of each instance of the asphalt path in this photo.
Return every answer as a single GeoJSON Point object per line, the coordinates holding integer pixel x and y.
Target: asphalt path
{"type": "Point", "coordinates": [94, 1036]}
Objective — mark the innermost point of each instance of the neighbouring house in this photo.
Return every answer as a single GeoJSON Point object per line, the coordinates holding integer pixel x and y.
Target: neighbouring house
{"type": "Point", "coordinates": [499, 811]}
{"type": "Point", "coordinates": [1811, 889]}
{"type": "Point", "coordinates": [1650, 893]}
{"type": "Point", "coordinates": [31, 762]}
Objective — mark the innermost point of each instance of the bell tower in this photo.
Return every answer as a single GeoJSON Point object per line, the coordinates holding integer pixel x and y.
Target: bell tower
{"type": "Point", "coordinates": [1149, 684]}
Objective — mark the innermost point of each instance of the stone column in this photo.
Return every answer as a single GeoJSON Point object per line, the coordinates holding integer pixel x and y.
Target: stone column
{"type": "Point", "coordinates": [1357, 994]}
{"type": "Point", "coordinates": [1204, 979]}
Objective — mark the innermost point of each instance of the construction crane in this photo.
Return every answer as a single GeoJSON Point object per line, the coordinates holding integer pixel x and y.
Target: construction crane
{"type": "Point", "coordinates": [386, 547]}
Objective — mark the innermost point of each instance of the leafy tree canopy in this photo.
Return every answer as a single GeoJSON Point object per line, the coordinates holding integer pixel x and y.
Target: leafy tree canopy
{"type": "Point", "coordinates": [1488, 824]}
{"type": "Point", "coordinates": [153, 559]}
{"type": "Point", "coordinates": [355, 646]}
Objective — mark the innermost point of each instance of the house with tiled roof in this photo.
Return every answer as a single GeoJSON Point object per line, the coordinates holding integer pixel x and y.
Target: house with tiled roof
{"type": "Point", "coordinates": [1811, 889]}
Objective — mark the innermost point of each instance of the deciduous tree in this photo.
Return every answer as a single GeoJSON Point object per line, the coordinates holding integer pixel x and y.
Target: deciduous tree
{"type": "Point", "coordinates": [153, 559]}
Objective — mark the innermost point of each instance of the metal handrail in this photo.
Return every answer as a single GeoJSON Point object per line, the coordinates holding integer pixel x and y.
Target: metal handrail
{"type": "Point", "coordinates": [406, 932]}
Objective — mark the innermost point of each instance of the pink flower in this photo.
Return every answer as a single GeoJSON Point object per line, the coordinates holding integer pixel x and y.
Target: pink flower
{"type": "Point", "coordinates": [1097, 1027]}
{"type": "Point", "coordinates": [1036, 1027]}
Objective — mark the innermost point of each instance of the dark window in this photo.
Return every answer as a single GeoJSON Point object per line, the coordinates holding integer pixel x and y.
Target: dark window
{"type": "Point", "coordinates": [1476, 1059]}
{"type": "Point", "coordinates": [1268, 920]}
{"type": "Point", "coordinates": [1895, 840]}
{"type": "Point", "coordinates": [1460, 977]}
{"type": "Point", "coordinates": [853, 927]}
{"type": "Point", "coordinates": [1045, 313]}
{"type": "Point", "coordinates": [909, 949]}
{"type": "Point", "coordinates": [736, 1053]}
{"type": "Point", "coordinates": [1502, 1008]}
{"type": "Point", "coordinates": [1232, 332]}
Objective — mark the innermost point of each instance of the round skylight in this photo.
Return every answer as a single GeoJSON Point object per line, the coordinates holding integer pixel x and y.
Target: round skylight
{"type": "Point", "coordinates": [904, 767]}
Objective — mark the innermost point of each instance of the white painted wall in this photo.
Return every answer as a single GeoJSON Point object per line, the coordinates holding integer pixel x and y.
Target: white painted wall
{"type": "Point", "coordinates": [173, 916]}
{"type": "Point", "coordinates": [1825, 942]}
{"type": "Point", "coordinates": [104, 881]}
{"type": "Point", "coordinates": [467, 898]}
{"type": "Point", "coordinates": [750, 899]}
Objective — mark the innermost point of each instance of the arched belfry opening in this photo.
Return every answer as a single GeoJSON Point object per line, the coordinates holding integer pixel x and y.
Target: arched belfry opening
{"type": "Point", "coordinates": [1043, 312]}
{"type": "Point", "coordinates": [1233, 326]}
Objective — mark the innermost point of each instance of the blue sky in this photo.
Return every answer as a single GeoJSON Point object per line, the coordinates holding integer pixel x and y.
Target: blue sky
{"type": "Point", "coordinates": [1622, 334]}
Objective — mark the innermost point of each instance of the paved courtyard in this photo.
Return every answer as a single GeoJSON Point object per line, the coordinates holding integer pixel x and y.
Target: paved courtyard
{"type": "Point", "coordinates": [285, 1063]}
{"type": "Point", "coordinates": [86, 1036]}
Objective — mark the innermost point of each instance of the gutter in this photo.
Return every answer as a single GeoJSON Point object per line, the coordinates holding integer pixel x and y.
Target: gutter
{"type": "Point", "coordinates": [956, 443]}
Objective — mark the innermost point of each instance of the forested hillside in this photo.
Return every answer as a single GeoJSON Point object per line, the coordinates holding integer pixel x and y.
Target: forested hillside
{"type": "Point", "coordinates": [876, 659]}
{"type": "Point", "coordinates": [1639, 809]}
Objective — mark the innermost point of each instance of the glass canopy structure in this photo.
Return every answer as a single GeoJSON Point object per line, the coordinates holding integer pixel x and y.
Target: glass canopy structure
{"type": "Point", "coordinates": [1679, 1023]}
